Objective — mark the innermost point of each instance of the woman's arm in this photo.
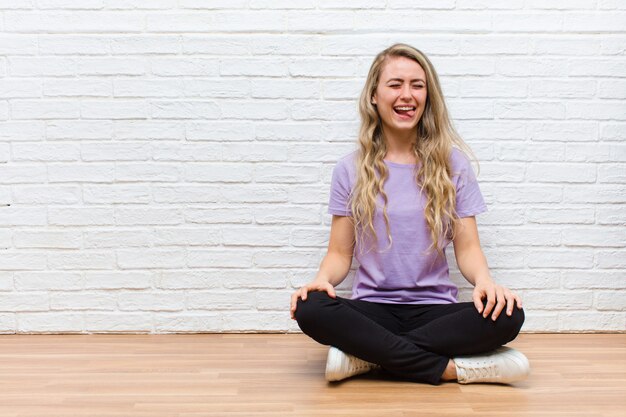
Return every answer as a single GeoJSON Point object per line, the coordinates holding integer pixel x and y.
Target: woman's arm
{"type": "Point", "coordinates": [335, 265]}
{"type": "Point", "coordinates": [473, 265]}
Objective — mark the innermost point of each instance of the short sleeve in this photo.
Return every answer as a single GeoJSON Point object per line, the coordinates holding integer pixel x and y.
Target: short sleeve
{"type": "Point", "coordinates": [339, 201]}
{"type": "Point", "coordinates": [469, 199]}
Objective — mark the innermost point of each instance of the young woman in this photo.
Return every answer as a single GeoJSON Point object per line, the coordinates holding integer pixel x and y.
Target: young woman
{"type": "Point", "coordinates": [397, 202]}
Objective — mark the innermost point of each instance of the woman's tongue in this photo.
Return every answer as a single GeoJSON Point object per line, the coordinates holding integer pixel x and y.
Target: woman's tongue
{"type": "Point", "coordinates": [405, 113]}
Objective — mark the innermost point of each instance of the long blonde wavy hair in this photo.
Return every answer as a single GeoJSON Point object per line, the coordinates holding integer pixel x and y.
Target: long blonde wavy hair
{"type": "Point", "coordinates": [435, 137]}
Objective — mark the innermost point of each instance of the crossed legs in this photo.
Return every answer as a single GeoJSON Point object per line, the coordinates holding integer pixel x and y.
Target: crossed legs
{"type": "Point", "coordinates": [413, 342]}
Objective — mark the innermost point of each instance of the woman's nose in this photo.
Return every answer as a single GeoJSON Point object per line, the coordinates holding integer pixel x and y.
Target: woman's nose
{"type": "Point", "coordinates": [405, 92]}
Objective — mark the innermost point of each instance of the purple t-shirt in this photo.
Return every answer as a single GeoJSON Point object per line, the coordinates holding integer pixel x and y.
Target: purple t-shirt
{"type": "Point", "coordinates": [404, 273]}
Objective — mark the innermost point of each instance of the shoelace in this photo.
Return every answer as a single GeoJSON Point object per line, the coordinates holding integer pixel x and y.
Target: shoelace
{"type": "Point", "coordinates": [358, 364]}
{"type": "Point", "coordinates": [482, 370]}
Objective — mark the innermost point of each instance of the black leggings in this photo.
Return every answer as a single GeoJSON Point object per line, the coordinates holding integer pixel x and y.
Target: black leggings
{"type": "Point", "coordinates": [413, 342]}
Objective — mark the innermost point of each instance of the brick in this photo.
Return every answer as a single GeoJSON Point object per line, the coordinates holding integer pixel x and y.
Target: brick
{"type": "Point", "coordinates": [610, 259]}
{"type": "Point", "coordinates": [22, 216]}
{"type": "Point", "coordinates": [188, 322]}
{"type": "Point", "coordinates": [45, 152]}
{"type": "Point", "coordinates": [113, 109]}
{"type": "Point", "coordinates": [22, 131]}
{"type": "Point", "coordinates": [315, 21]}
{"type": "Point", "coordinates": [161, 109]}
{"type": "Point", "coordinates": [308, 214]}
{"type": "Point", "coordinates": [26, 301]}
{"type": "Point", "coordinates": [214, 300]}
{"type": "Point", "coordinates": [216, 44]}
{"type": "Point", "coordinates": [561, 300]}
{"type": "Point", "coordinates": [79, 130]}
{"type": "Point", "coordinates": [44, 109]}
{"type": "Point", "coordinates": [114, 280]}
{"type": "Point", "coordinates": [594, 21]}
{"type": "Point", "coordinates": [219, 258]}
{"type": "Point", "coordinates": [322, 110]}
{"type": "Point", "coordinates": [253, 193]}
{"type": "Point", "coordinates": [559, 258]}
{"type": "Point", "coordinates": [591, 321]}
{"type": "Point", "coordinates": [267, 67]}
{"type": "Point", "coordinates": [219, 215]}
{"type": "Point", "coordinates": [16, 88]}
{"type": "Point", "coordinates": [218, 172]}
{"type": "Point", "coordinates": [151, 301]}
{"type": "Point", "coordinates": [181, 236]}
{"type": "Point", "coordinates": [153, 44]}
{"type": "Point", "coordinates": [595, 193]}
{"type": "Point", "coordinates": [284, 44]}
{"type": "Point", "coordinates": [41, 66]}
{"type": "Point", "coordinates": [147, 216]}
{"type": "Point", "coordinates": [595, 111]}
{"type": "Point", "coordinates": [611, 215]}
{"type": "Point", "coordinates": [255, 236]}
{"type": "Point", "coordinates": [15, 261]}
{"type": "Point", "coordinates": [529, 110]}
{"type": "Point", "coordinates": [143, 172]}
{"type": "Point", "coordinates": [116, 193]}
{"type": "Point", "coordinates": [77, 88]}
{"type": "Point", "coordinates": [111, 322]}
{"type": "Point", "coordinates": [186, 194]}
{"type": "Point", "coordinates": [285, 259]}
{"type": "Point", "coordinates": [595, 236]}
{"type": "Point", "coordinates": [53, 322]}
{"type": "Point", "coordinates": [94, 172]}
{"type": "Point", "coordinates": [575, 46]}
{"type": "Point", "coordinates": [69, 260]}
{"type": "Point", "coordinates": [116, 238]}
{"type": "Point", "coordinates": [48, 280]}
{"type": "Point", "coordinates": [150, 258]}
{"type": "Point", "coordinates": [115, 151]}
{"type": "Point", "coordinates": [109, 66]}
{"type": "Point", "coordinates": [186, 152]}
{"type": "Point", "coordinates": [74, 44]}
{"type": "Point", "coordinates": [561, 173]}
{"type": "Point", "coordinates": [275, 173]}
{"type": "Point", "coordinates": [563, 215]}
{"type": "Point", "coordinates": [47, 239]}
{"type": "Point", "coordinates": [282, 4]}
{"type": "Point", "coordinates": [191, 279]}
{"type": "Point", "coordinates": [256, 321]}
{"type": "Point", "coordinates": [84, 216]}
{"type": "Point", "coordinates": [83, 301]}
{"type": "Point", "coordinates": [75, 21]}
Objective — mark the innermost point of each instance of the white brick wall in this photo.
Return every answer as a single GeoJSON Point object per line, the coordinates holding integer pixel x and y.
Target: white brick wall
{"type": "Point", "coordinates": [165, 164]}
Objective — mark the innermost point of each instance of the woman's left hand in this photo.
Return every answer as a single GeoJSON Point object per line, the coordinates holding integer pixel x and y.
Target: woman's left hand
{"type": "Point", "coordinates": [497, 296]}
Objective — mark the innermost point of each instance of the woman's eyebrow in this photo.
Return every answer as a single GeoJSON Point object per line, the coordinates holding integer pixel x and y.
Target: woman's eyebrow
{"type": "Point", "coordinates": [400, 79]}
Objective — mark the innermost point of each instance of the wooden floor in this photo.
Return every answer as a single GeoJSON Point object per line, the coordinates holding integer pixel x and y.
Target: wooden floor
{"type": "Point", "coordinates": [282, 375]}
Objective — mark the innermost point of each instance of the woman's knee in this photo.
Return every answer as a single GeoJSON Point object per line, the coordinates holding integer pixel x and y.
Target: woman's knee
{"type": "Point", "coordinates": [311, 310]}
{"type": "Point", "coordinates": [513, 323]}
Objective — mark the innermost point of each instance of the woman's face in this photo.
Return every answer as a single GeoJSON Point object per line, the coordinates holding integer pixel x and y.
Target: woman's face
{"type": "Point", "coordinates": [400, 96]}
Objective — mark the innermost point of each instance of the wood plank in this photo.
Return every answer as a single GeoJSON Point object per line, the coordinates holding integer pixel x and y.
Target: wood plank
{"type": "Point", "coordinates": [283, 375]}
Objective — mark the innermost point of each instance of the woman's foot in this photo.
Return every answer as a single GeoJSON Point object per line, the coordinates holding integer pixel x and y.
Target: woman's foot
{"type": "Point", "coordinates": [340, 365]}
{"type": "Point", "coordinates": [503, 365]}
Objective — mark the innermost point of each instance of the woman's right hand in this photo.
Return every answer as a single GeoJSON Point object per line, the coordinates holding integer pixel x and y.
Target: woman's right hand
{"type": "Point", "coordinates": [313, 286]}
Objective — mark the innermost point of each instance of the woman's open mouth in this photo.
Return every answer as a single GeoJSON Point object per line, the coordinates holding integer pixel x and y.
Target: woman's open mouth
{"type": "Point", "coordinates": [404, 112]}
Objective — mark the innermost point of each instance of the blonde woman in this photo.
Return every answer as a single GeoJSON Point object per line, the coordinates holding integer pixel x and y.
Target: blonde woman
{"type": "Point", "coordinates": [397, 202]}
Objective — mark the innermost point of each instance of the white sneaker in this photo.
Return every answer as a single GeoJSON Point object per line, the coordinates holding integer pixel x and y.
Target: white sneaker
{"type": "Point", "coordinates": [502, 365]}
{"type": "Point", "coordinates": [340, 365]}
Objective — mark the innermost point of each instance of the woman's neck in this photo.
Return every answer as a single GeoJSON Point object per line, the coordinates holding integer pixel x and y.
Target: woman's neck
{"type": "Point", "coordinates": [400, 149]}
